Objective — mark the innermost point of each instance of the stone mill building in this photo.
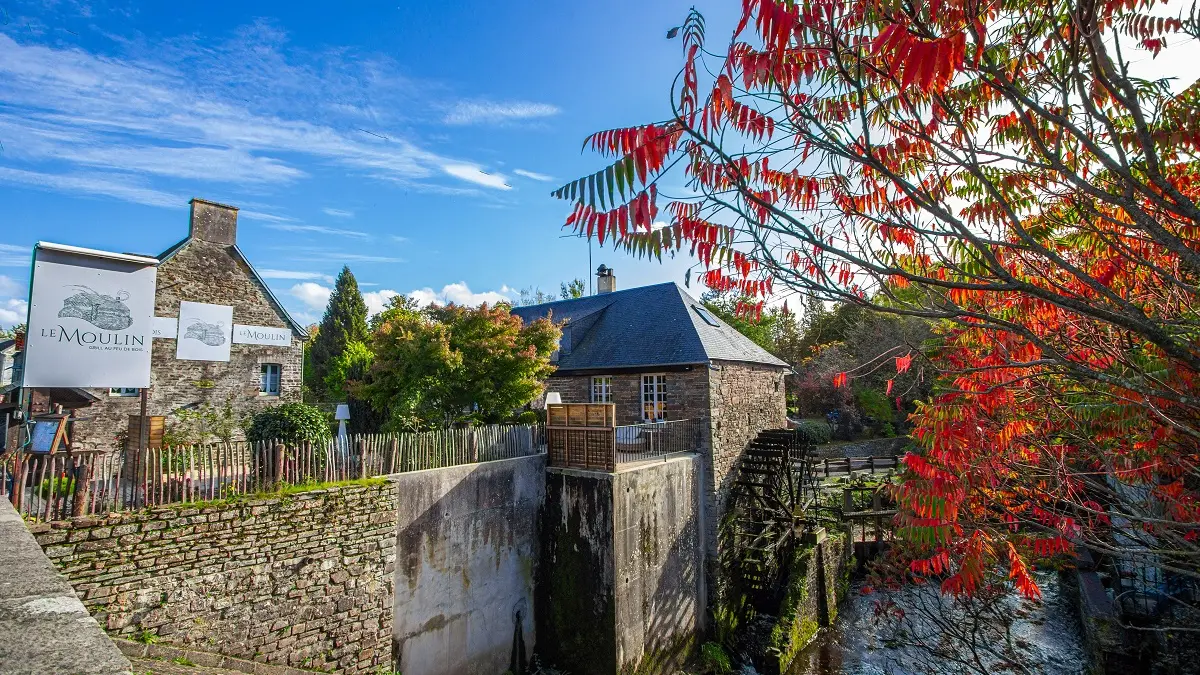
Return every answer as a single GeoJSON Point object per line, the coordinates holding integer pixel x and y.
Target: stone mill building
{"type": "Point", "coordinates": [206, 266]}
{"type": "Point", "coordinates": [657, 354]}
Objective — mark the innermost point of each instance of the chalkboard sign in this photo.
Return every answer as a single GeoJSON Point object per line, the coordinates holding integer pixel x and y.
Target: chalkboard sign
{"type": "Point", "coordinates": [47, 434]}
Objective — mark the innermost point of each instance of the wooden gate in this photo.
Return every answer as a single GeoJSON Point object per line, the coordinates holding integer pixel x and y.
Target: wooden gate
{"type": "Point", "coordinates": [582, 435]}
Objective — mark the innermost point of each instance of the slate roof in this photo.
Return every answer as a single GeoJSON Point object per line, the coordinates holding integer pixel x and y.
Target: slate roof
{"type": "Point", "coordinates": [642, 327]}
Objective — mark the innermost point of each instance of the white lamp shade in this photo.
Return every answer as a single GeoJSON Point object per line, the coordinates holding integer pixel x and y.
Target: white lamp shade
{"type": "Point", "coordinates": [343, 412]}
{"type": "Point", "coordinates": [553, 397]}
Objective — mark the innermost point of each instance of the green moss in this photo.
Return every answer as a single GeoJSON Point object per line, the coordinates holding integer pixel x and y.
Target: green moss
{"type": "Point", "coordinates": [793, 632]}
{"type": "Point", "coordinates": [714, 660]}
{"type": "Point", "coordinates": [284, 490]}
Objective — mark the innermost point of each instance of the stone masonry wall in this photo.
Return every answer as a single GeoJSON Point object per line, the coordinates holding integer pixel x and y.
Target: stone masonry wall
{"type": "Point", "coordinates": [687, 393]}
{"type": "Point", "coordinates": [746, 399]}
{"type": "Point", "coordinates": [210, 272]}
{"type": "Point", "coordinates": [302, 580]}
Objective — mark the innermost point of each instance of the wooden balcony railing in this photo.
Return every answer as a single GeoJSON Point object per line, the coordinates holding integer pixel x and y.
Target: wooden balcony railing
{"type": "Point", "coordinates": [585, 436]}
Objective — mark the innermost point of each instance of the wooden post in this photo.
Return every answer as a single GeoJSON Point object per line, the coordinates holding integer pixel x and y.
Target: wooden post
{"type": "Point", "coordinates": [83, 481]}
{"type": "Point", "coordinates": [361, 447]}
{"type": "Point", "coordinates": [847, 507]}
{"type": "Point", "coordinates": [875, 506]}
{"type": "Point", "coordinates": [278, 454]}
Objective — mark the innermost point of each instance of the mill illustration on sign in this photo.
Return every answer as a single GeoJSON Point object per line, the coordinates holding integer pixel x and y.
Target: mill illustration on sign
{"type": "Point", "coordinates": [102, 311]}
{"type": "Point", "coordinates": [211, 334]}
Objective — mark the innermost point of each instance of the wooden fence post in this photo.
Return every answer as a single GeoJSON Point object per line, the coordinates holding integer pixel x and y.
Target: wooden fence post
{"type": "Point", "coordinates": [361, 447]}
{"type": "Point", "coordinates": [277, 457]}
{"type": "Point", "coordinates": [83, 481]}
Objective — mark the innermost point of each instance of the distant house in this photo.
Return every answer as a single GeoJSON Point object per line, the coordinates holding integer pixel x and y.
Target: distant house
{"type": "Point", "coordinates": [656, 354]}
{"type": "Point", "coordinates": [206, 267]}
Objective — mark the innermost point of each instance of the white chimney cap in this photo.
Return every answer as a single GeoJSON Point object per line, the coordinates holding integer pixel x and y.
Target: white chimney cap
{"type": "Point", "coordinates": [553, 398]}
{"type": "Point", "coordinates": [343, 412]}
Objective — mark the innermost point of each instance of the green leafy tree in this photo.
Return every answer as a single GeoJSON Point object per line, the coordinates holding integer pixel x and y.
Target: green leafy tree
{"type": "Point", "coordinates": [451, 365]}
{"type": "Point", "coordinates": [289, 422]}
{"type": "Point", "coordinates": [575, 288]}
{"type": "Point", "coordinates": [9, 333]}
{"type": "Point", "coordinates": [345, 321]}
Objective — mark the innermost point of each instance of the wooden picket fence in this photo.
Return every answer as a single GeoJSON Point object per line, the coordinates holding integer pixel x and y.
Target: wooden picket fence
{"type": "Point", "coordinates": [53, 487]}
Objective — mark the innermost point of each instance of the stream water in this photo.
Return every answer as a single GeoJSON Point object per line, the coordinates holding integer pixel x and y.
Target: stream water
{"type": "Point", "coordinates": [1044, 638]}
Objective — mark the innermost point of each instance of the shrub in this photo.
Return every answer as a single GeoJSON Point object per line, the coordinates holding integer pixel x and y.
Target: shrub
{"type": "Point", "coordinates": [815, 432]}
{"type": "Point", "coordinates": [714, 659]}
{"type": "Point", "coordinates": [289, 422]}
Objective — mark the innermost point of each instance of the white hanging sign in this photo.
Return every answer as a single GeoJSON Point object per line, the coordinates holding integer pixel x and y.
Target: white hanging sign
{"type": "Point", "coordinates": [165, 327]}
{"type": "Point", "coordinates": [90, 318]}
{"type": "Point", "coordinates": [262, 335]}
{"type": "Point", "coordinates": [204, 332]}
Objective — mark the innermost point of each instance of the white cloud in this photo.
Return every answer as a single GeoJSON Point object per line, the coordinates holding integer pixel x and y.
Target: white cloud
{"type": "Point", "coordinates": [13, 311]}
{"type": "Point", "coordinates": [107, 185]}
{"type": "Point", "coordinates": [534, 175]}
{"type": "Point", "coordinates": [294, 275]}
{"type": "Point", "coordinates": [243, 111]}
{"type": "Point", "coordinates": [268, 217]}
{"type": "Point", "coordinates": [377, 300]}
{"type": "Point", "coordinates": [398, 239]}
{"type": "Point", "coordinates": [317, 229]}
{"type": "Point", "coordinates": [459, 294]}
{"type": "Point", "coordinates": [474, 174]}
{"type": "Point", "coordinates": [312, 294]}
{"type": "Point", "coordinates": [496, 112]}
{"type": "Point", "coordinates": [337, 213]}
{"type": "Point", "coordinates": [9, 286]}
{"type": "Point", "coordinates": [14, 256]}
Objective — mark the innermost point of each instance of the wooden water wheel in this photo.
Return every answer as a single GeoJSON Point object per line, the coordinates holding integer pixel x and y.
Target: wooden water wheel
{"type": "Point", "coordinates": [775, 502]}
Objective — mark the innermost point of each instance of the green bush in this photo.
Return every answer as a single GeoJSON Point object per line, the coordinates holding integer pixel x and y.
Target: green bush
{"type": "Point", "coordinates": [815, 432]}
{"type": "Point", "coordinates": [529, 417]}
{"type": "Point", "coordinates": [60, 487]}
{"type": "Point", "coordinates": [874, 404]}
{"type": "Point", "coordinates": [289, 422]}
{"type": "Point", "coordinates": [714, 659]}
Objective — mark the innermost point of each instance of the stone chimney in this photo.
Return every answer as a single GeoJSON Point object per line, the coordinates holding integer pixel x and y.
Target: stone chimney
{"type": "Point", "coordinates": [606, 281]}
{"type": "Point", "coordinates": [213, 222]}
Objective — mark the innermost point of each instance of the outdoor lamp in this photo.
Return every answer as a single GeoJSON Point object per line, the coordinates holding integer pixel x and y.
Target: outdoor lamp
{"type": "Point", "coordinates": [553, 397]}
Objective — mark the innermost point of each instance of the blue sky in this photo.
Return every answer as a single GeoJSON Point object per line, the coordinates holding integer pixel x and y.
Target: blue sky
{"type": "Point", "coordinates": [416, 142]}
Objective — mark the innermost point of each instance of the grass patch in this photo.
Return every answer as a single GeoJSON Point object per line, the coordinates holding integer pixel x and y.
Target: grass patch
{"type": "Point", "coordinates": [283, 490]}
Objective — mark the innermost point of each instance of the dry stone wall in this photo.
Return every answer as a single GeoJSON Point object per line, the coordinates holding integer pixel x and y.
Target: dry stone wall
{"type": "Point", "coordinates": [302, 580]}
{"type": "Point", "coordinates": [746, 399]}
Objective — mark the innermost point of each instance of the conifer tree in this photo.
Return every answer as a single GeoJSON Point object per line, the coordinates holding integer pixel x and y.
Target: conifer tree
{"type": "Point", "coordinates": [345, 321]}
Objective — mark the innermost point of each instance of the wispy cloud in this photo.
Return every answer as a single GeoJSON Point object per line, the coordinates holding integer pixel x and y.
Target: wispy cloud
{"type": "Point", "coordinates": [295, 275]}
{"type": "Point", "coordinates": [475, 174]}
{"type": "Point", "coordinates": [337, 213]}
{"type": "Point", "coordinates": [243, 111]}
{"type": "Point", "coordinates": [459, 294]}
{"type": "Point", "coordinates": [498, 112]}
{"type": "Point", "coordinates": [533, 175]}
{"type": "Point", "coordinates": [14, 256]}
{"type": "Point", "coordinates": [317, 229]}
{"type": "Point", "coordinates": [356, 257]}
{"type": "Point", "coordinates": [268, 217]}
{"type": "Point", "coordinates": [106, 185]}
{"type": "Point", "coordinates": [398, 239]}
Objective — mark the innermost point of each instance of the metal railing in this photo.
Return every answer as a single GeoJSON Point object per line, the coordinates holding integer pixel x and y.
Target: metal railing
{"type": "Point", "coordinates": [655, 440]}
{"type": "Point", "coordinates": [52, 487]}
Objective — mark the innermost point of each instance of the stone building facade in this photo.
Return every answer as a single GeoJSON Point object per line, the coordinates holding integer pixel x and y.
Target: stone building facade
{"type": "Point", "coordinates": [615, 345]}
{"type": "Point", "coordinates": [206, 267]}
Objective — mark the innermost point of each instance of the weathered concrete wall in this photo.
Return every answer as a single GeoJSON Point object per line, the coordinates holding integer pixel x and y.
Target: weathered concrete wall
{"type": "Point", "coordinates": [575, 608]}
{"type": "Point", "coordinates": [207, 270]}
{"type": "Point", "coordinates": [466, 551]}
{"type": "Point", "coordinates": [43, 626]}
{"type": "Point", "coordinates": [302, 579]}
{"type": "Point", "coordinates": [621, 581]}
{"type": "Point", "coordinates": [660, 561]}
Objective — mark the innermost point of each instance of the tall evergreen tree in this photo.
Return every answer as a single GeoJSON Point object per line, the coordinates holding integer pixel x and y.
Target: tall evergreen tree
{"type": "Point", "coordinates": [345, 321]}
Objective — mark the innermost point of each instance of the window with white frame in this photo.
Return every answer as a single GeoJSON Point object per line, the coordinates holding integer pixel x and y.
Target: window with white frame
{"type": "Point", "coordinates": [124, 391]}
{"type": "Point", "coordinates": [602, 389]}
{"type": "Point", "coordinates": [654, 398]}
{"type": "Point", "coordinates": [269, 382]}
